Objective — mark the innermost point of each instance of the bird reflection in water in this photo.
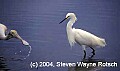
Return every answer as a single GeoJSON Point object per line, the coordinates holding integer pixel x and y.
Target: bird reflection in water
{"type": "Point", "coordinates": [90, 68]}
{"type": "Point", "coordinates": [3, 66]}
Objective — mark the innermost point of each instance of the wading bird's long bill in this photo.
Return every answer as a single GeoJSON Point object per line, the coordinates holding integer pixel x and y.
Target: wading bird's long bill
{"type": "Point", "coordinates": [23, 41]}
{"type": "Point", "coordinates": [64, 20]}
{"type": "Point", "coordinates": [18, 37]}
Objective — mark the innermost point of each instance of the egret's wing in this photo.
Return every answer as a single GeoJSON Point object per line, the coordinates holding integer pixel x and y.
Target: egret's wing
{"type": "Point", "coordinates": [84, 38]}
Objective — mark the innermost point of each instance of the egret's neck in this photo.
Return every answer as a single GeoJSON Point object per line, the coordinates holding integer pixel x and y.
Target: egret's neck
{"type": "Point", "coordinates": [70, 32]}
{"type": "Point", "coordinates": [70, 24]}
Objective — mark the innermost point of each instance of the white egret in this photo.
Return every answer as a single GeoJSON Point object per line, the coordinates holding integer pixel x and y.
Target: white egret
{"type": "Point", "coordinates": [83, 38]}
{"type": "Point", "coordinates": [11, 34]}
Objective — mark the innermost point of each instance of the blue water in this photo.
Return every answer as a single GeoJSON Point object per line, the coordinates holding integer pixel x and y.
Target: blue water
{"type": "Point", "coordinates": [37, 21]}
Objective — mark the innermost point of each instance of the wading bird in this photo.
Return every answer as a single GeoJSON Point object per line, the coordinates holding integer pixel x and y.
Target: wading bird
{"type": "Point", "coordinates": [11, 34]}
{"type": "Point", "coordinates": [83, 38]}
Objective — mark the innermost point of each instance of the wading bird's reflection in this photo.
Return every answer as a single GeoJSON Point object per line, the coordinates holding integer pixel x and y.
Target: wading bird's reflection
{"type": "Point", "coordinates": [81, 67]}
{"type": "Point", "coordinates": [3, 65]}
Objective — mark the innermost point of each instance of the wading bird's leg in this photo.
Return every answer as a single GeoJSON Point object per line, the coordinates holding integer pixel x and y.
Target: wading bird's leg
{"type": "Point", "coordinates": [93, 50]}
{"type": "Point", "coordinates": [91, 56]}
{"type": "Point", "coordinates": [83, 46]}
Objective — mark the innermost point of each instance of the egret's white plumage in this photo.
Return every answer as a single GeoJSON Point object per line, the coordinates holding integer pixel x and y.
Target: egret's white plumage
{"type": "Point", "coordinates": [80, 36]}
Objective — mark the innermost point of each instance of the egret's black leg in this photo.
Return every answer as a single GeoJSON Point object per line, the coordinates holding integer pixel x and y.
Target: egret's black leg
{"type": "Point", "coordinates": [83, 46]}
{"type": "Point", "coordinates": [93, 50]}
{"type": "Point", "coordinates": [92, 56]}
{"type": "Point", "coordinates": [84, 54]}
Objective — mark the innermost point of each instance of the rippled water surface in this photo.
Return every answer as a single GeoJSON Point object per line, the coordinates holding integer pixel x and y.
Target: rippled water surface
{"type": "Point", "coordinates": [37, 21]}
